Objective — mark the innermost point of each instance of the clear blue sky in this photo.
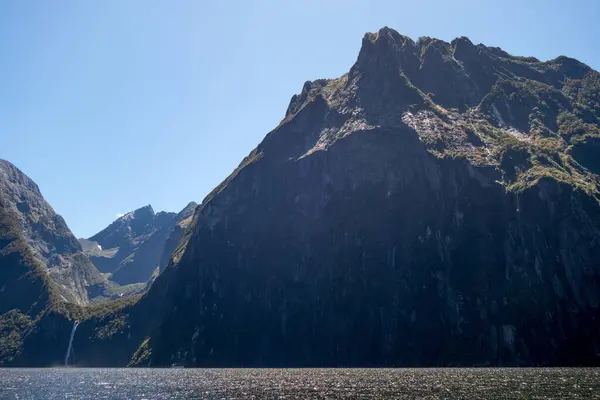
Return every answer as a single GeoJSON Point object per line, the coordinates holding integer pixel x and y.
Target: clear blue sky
{"type": "Point", "coordinates": [114, 104]}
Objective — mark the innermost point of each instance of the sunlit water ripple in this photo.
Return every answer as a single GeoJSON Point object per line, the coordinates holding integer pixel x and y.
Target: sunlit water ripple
{"type": "Point", "coordinates": [450, 383]}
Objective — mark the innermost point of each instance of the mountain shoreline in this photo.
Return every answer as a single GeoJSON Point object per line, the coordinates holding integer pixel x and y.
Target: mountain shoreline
{"type": "Point", "coordinates": [438, 205]}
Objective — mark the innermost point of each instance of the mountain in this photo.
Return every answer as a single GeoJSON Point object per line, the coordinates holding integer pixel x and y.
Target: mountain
{"type": "Point", "coordinates": [43, 273]}
{"type": "Point", "coordinates": [437, 205]}
{"type": "Point", "coordinates": [132, 247]}
{"type": "Point", "coordinates": [47, 237]}
{"type": "Point", "coordinates": [46, 280]}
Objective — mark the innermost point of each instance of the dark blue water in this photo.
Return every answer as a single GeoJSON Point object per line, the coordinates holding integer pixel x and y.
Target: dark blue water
{"type": "Point", "coordinates": [73, 383]}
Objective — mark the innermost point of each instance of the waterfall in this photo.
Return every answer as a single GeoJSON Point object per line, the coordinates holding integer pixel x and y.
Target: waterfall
{"type": "Point", "coordinates": [75, 325]}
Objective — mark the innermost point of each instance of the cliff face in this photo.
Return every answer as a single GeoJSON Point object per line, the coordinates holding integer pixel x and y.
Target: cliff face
{"type": "Point", "coordinates": [48, 238]}
{"type": "Point", "coordinates": [23, 283]}
{"type": "Point", "coordinates": [130, 248]}
{"type": "Point", "coordinates": [436, 205]}
{"type": "Point", "coordinates": [27, 291]}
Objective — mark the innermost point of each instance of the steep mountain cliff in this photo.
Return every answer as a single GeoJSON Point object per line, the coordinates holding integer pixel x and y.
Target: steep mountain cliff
{"type": "Point", "coordinates": [24, 285]}
{"type": "Point", "coordinates": [130, 248]}
{"type": "Point", "coordinates": [25, 289]}
{"type": "Point", "coordinates": [48, 238]}
{"type": "Point", "coordinates": [437, 205]}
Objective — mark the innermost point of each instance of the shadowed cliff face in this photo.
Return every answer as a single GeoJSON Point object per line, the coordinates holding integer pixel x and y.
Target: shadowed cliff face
{"type": "Point", "coordinates": [427, 208]}
{"type": "Point", "coordinates": [47, 236]}
{"type": "Point", "coordinates": [436, 205]}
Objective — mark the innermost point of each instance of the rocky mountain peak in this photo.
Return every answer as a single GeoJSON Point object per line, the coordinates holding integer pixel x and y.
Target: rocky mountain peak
{"type": "Point", "coordinates": [46, 231]}
{"type": "Point", "coordinates": [12, 175]}
{"type": "Point", "coordinates": [385, 37]}
{"type": "Point", "coordinates": [144, 212]}
{"type": "Point", "coordinates": [387, 50]}
{"type": "Point", "coordinates": [130, 226]}
{"type": "Point", "coordinates": [51, 242]}
{"type": "Point", "coordinates": [570, 67]}
{"type": "Point", "coordinates": [463, 48]}
{"type": "Point", "coordinates": [130, 248]}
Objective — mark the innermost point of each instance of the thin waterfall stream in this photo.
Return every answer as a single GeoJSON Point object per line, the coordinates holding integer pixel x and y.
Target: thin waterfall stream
{"type": "Point", "coordinates": [75, 325]}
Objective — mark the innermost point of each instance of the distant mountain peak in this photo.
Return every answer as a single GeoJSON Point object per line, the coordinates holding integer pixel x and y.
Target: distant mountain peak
{"type": "Point", "coordinates": [142, 212]}
{"type": "Point", "coordinates": [130, 248]}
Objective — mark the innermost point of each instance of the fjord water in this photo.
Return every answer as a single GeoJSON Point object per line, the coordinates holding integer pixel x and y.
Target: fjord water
{"type": "Point", "coordinates": [436, 383]}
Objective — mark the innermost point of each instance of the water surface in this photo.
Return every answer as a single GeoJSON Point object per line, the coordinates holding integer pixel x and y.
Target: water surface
{"type": "Point", "coordinates": [450, 383]}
